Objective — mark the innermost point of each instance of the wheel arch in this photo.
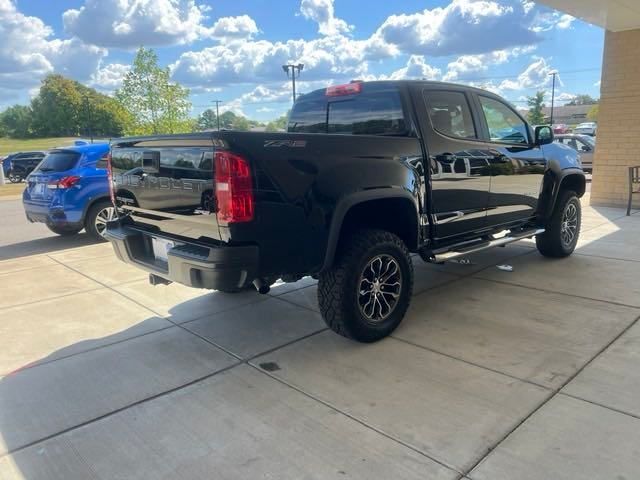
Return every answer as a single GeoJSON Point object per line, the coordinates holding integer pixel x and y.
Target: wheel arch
{"type": "Point", "coordinates": [93, 202]}
{"type": "Point", "coordinates": [569, 179]}
{"type": "Point", "coordinates": [391, 209]}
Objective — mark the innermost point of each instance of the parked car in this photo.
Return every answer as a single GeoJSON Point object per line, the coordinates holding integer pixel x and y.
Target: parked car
{"type": "Point", "coordinates": [561, 128]}
{"type": "Point", "coordinates": [586, 128]}
{"type": "Point", "coordinates": [367, 173]}
{"type": "Point", "coordinates": [17, 166]}
{"type": "Point", "coordinates": [585, 145]}
{"type": "Point", "coordinates": [69, 190]}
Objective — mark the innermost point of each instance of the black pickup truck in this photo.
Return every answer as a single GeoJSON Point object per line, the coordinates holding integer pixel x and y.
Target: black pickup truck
{"type": "Point", "coordinates": [367, 173]}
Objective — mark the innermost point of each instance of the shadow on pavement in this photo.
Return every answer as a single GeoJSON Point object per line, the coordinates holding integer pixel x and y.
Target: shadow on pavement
{"type": "Point", "coordinates": [44, 245]}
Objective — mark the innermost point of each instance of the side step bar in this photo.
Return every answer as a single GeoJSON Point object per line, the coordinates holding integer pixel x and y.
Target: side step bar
{"type": "Point", "coordinates": [460, 251]}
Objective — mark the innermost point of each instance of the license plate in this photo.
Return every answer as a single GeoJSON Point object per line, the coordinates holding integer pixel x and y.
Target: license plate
{"type": "Point", "coordinates": [38, 189]}
{"type": "Point", "coordinates": [161, 247]}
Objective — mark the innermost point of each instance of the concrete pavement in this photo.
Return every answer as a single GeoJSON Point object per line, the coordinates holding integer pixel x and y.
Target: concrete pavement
{"type": "Point", "coordinates": [530, 374]}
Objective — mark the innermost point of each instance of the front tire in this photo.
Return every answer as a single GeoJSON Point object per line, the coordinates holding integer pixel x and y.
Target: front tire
{"type": "Point", "coordinates": [366, 293]}
{"type": "Point", "coordinates": [96, 222]}
{"type": "Point", "coordinates": [561, 235]}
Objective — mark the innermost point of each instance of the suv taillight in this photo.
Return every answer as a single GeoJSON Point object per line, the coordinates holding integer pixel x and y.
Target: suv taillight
{"type": "Point", "coordinates": [65, 182]}
{"type": "Point", "coordinates": [112, 193]}
{"type": "Point", "coordinates": [234, 188]}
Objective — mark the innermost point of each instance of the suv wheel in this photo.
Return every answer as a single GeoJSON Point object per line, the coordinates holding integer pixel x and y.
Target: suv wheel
{"type": "Point", "coordinates": [561, 235]}
{"type": "Point", "coordinates": [15, 177]}
{"type": "Point", "coordinates": [96, 222]}
{"type": "Point", "coordinates": [365, 295]}
{"type": "Point", "coordinates": [64, 231]}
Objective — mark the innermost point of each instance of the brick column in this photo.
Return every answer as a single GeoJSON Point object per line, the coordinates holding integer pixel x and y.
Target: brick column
{"type": "Point", "coordinates": [618, 142]}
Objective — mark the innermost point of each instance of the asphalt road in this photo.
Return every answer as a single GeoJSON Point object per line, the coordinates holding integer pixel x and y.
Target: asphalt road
{"type": "Point", "coordinates": [19, 237]}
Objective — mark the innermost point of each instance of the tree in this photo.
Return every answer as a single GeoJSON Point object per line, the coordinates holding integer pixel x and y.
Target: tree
{"type": "Point", "coordinates": [279, 124]}
{"type": "Point", "coordinates": [592, 114]}
{"type": "Point", "coordinates": [583, 99]}
{"type": "Point", "coordinates": [16, 121]}
{"type": "Point", "coordinates": [231, 121]}
{"type": "Point", "coordinates": [64, 107]}
{"type": "Point", "coordinates": [536, 104]}
{"type": "Point", "coordinates": [207, 120]}
{"type": "Point", "coordinates": [155, 105]}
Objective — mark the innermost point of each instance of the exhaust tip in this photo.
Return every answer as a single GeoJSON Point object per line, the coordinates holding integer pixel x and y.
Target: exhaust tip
{"type": "Point", "coordinates": [261, 286]}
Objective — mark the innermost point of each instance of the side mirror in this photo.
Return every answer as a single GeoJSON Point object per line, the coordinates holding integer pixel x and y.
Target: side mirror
{"type": "Point", "coordinates": [543, 135]}
{"type": "Point", "coordinates": [585, 149]}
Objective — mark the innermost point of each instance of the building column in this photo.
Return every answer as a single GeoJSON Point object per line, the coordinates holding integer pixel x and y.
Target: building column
{"type": "Point", "coordinates": [618, 141]}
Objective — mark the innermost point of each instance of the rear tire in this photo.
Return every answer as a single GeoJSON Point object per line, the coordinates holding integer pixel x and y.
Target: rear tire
{"type": "Point", "coordinates": [366, 293]}
{"type": "Point", "coordinates": [64, 231]}
{"type": "Point", "coordinates": [561, 235]}
{"type": "Point", "coordinates": [96, 221]}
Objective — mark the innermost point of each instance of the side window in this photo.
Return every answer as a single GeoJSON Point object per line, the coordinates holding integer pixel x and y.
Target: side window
{"type": "Point", "coordinates": [379, 113]}
{"type": "Point", "coordinates": [450, 113]}
{"type": "Point", "coordinates": [504, 124]}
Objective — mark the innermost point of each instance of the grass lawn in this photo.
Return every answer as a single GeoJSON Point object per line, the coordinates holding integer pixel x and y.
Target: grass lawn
{"type": "Point", "coordinates": [8, 145]}
{"type": "Point", "coordinates": [11, 189]}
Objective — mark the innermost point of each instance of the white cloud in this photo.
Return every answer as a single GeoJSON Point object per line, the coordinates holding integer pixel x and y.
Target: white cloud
{"type": "Point", "coordinates": [322, 12]}
{"type": "Point", "coordinates": [416, 68]}
{"type": "Point", "coordinates": [131, 23]}
{"type": "Point", "coordinates": [536, 75]}
{"type": "Point", "coordinates": [109, 77]}
{"type": "Point", "coordinates": [325, 58]}
{"type": "Point", "coordinates": [466, 64]}
{"type": "Point", "coordinates": [463, 26]}
{"type": "Point", "coordinates": [547, 19]}
{"type": "Point", "coordinates": [234, 28]}
{"type": "Point", "coordinates": [27, 54]}
{"type": "Point", "coordinates": [562, 98]}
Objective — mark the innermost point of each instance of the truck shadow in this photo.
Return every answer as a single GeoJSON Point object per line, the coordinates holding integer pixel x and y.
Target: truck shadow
{"type": "Point", "coordinates": [45, 245]}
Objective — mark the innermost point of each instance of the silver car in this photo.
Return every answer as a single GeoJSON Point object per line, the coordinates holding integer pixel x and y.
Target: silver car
{"type": "Point", "coordinates": [585, 145]}
{"type": "Point", "coordinates": [586, 128]}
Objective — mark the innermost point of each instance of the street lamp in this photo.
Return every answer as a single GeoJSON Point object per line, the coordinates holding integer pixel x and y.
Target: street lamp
{"type": "Point", "coordinates": [290, 67]}
{"type": "Point", "coordinates": [553, 93]}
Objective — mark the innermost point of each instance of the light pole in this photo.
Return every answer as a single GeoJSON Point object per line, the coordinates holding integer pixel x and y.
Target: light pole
{"type": "Point", "coordinates": [299, 67]}
{"type": "Point", "coordinates": [218, 102]}
{"type": "Point", "coordinates": [553, 93]}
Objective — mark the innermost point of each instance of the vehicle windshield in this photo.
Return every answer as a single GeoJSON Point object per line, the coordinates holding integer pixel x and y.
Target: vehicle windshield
{"type": "Point", "coordinates": [58, 161]}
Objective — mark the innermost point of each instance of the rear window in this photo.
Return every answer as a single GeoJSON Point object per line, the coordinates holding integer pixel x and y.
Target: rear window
{"type": "Point", "coordinates": [59, 161]}
{"type": "Point", "coordinates": [375, 113]}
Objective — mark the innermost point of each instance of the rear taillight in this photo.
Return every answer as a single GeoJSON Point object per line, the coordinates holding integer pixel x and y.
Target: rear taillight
{"type": "Point", "coordinates": [234, 188]}
{"type": "Point", "coordinates": [346, 89]}
{"type": "Point", "coordinates": [65, 182]}
{"type": "Point", "coordinates": [112, 193]}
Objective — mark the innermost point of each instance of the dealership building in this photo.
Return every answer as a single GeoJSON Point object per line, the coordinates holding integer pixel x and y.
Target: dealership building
{"type": "Point", "coordinates": [619, 115]}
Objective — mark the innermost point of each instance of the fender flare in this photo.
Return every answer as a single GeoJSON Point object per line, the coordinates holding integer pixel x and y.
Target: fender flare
{"type": "Point", "coordinates": [348, 202]}
{"type": "Point", "coordinates": [558, 181]}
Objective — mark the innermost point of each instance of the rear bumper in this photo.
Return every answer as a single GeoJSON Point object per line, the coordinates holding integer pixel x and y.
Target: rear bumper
{"type": "Point", "coordinates": [51, 214]}
{"type": "Point", "coordinates": [191, 264]}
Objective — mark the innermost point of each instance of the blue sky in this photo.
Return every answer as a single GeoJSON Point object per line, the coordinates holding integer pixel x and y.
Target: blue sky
{"type": "Point", "coordinates": [233, 51]}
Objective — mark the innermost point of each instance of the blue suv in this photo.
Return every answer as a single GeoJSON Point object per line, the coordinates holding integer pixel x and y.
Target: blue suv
{"type": "Point", "coordinates": [69, 190]}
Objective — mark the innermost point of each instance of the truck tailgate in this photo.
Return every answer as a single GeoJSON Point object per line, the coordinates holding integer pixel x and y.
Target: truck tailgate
{"type": "Point", "coordinates": [166, 184]}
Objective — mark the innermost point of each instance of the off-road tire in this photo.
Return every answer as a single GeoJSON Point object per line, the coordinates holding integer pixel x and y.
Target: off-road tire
{"type": "Point", "coordinates": [64, 231]}
{"type": "Point", "coordinates": [551, 243]}
{"type": "Point", "coordinates": [339, 286]}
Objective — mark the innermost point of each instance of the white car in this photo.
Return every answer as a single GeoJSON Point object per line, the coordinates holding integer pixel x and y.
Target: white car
{"type": "Point", "coordinates": [587, 128]}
